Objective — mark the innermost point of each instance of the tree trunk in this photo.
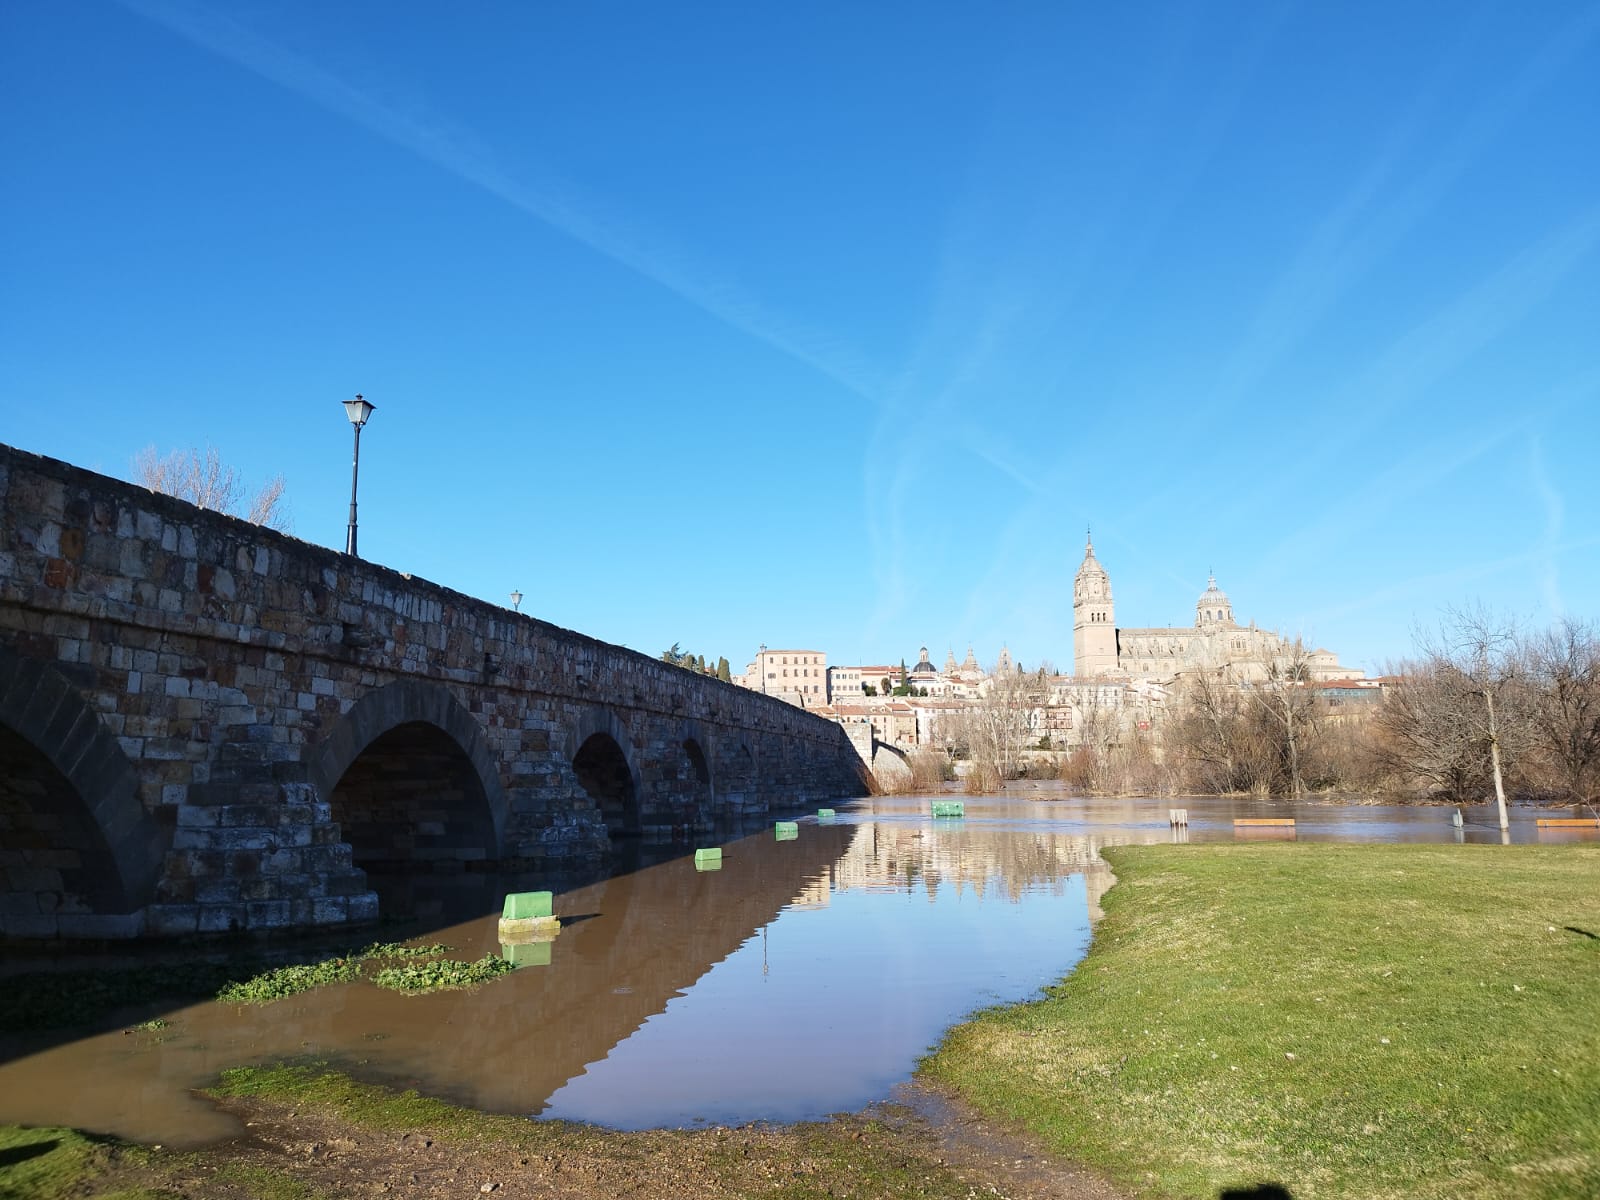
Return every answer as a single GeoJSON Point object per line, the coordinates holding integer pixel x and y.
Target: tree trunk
{"type": "Point", "coordinates": [1494, 760]}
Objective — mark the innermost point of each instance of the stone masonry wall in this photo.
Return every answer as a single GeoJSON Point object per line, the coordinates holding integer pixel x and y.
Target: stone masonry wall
{"type": "Point", "coordinates": [198, 686]}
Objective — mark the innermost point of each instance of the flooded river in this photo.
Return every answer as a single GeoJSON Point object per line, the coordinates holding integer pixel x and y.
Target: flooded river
{"type": "Point", "coordinates": [803, 977]}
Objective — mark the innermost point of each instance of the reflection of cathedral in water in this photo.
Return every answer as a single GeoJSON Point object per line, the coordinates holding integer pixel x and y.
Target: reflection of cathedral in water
{"type": "Point", "coordinates": [1004, 863]}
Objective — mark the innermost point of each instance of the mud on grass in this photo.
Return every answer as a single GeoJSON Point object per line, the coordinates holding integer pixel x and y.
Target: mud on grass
{"type": "Point", "coordinates": [310, 1132]}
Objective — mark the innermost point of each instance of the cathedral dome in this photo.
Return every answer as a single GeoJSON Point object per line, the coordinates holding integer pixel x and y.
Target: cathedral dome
{"type": "Point", "coordinates": [1213, 607]}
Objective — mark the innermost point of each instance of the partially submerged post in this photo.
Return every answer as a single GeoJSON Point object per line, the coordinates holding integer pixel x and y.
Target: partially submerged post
{"type": "Point", "coordinates": [527, 917]}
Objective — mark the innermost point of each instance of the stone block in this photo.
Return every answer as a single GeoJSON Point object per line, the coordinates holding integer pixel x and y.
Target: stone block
{"type": "Point", "coordinates": [267, 914]}
{"type": "Point", "coordinates": [222, 918]}
{"type": "Point", "coordinates": [19, 904]}
{"type": "Point", "coordinates": [22, 925]}
{"type": "Point", "coordinates": [111, 926]}
{"type": "Point", "coordinates": [330, 910]}
{"type": "Point", "coordinates": [172, 920]}
{"type": "Point", "coordinates": [216, 891]}
{"type": "Point", "coordinates": [363, 907]}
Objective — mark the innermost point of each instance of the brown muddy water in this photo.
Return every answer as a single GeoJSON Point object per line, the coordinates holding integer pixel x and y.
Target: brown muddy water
{"type": "Point", "coordinates": [803, 977]}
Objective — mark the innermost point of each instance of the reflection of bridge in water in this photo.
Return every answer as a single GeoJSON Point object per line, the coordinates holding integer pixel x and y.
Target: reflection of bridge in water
{"type": "Point", "coordinates": [628, 946]}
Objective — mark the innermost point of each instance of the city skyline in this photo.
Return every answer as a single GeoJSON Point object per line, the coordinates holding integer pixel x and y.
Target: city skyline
{"type": "Point", "coordinates": [835, 329]}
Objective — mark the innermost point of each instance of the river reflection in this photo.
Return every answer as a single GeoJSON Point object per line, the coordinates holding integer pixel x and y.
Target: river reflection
{"type": "Point", "coordinates": [803, 977]}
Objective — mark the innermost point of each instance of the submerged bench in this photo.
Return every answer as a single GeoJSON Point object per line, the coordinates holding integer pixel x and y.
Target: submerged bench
{"type": "Point", "coordinates": [1277, 822]}
{"type": "Point", "coordinates": [1568, 823]}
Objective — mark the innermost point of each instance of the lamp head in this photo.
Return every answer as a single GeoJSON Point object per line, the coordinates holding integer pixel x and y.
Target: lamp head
{"type": "Point", "coordinates": [358, 410]}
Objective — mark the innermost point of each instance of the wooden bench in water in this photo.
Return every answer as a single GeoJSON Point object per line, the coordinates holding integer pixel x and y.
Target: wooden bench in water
{"type": "Point", "coordinates": [1568, 823]}
{"type": "Point", "coordinates": [1275, 822]}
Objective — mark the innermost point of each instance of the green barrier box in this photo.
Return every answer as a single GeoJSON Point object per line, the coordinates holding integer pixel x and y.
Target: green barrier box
{"type": "Point", "coordinates": [787, 831]}
{"type": "Point", "coordinates": [709, 859]}
{"type": "Point", "coordinates": [825, 814]}
{"type": "Point", "coordinates": [949, 808]}
{"type": "Point", "coordinates": [526, 954]}
{"type": "Point", "coordinates": [520, 906]}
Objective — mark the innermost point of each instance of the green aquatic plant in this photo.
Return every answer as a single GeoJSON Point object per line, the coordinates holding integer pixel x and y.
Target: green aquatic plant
{"type": "Point", "coordinates": [290, 981]}
{"type": "Point", "coordinates": [303, 977]}
{"type": "Point", "coordinates": [441, 973]}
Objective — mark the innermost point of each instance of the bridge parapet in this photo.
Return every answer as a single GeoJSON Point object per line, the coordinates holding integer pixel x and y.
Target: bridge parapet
{"type": "Point", "coordinates": [289, 717]}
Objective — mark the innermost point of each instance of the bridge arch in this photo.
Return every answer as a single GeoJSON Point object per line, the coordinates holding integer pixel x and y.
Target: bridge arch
{"type": "Point", "coordinates": [82, 841]}
{"type": "Point", "coordinates": [411, 778]}
{"type": "Point", "coordinates": [699, 751]}
{"type": "Point", "coordinates": [607, 768]}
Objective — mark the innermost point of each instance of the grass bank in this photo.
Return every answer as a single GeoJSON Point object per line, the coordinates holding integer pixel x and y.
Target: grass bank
{"type": "Point", "coordinates": [1345, 1021]}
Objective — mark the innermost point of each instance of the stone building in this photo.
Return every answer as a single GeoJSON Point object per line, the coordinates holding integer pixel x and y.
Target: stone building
{"type": "Point", "coordinates": [799, 677]}
{"type": "Point", "coordinates": [1214, 642]}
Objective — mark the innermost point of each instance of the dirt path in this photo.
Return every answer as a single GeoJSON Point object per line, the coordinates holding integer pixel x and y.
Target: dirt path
{"type": "Point", "coordinates": [926, 1143]}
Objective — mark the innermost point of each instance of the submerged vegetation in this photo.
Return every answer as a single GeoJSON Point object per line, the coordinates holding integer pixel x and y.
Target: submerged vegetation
{"type": "Point", "coordinates": [1351, 1021]}
{"type": "Point", "coordinates": [441, 973]}
{"type": "Point", "coordinates": [39, 1000]}
{"type": "Point", "coordinates": [291, 980]}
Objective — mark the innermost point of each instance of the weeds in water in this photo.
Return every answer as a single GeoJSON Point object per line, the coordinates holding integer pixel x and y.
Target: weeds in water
{"type": "Point", "coordinates": [303, 977]}
{"type": "Point", "coordinates": [441, 973]}
{"type": "Point", "coordinates": [290, 981]}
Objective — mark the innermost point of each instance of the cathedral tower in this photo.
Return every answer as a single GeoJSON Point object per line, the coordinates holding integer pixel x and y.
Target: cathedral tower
{"type": "Point", "coordinates": [1094, 627]}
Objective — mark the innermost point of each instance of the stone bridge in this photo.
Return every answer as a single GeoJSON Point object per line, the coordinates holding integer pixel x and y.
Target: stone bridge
{"type": "Point", "coordinates": [208, 726]}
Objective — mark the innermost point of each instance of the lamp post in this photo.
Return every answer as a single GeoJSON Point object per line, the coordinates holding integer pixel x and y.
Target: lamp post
{"type": "Point", "coordinates": [358, 410]}
{"type": "Point", "coordinates": [516, 601]}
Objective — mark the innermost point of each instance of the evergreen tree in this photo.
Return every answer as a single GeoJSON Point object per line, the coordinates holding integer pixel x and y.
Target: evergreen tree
{"type": "Point", "coordinates": [722, 671]}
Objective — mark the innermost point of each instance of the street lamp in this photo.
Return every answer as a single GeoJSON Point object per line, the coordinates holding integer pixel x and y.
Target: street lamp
{"type": "Point", "coordinates": [358, 410]}
{"type": "Point", "coordinates": [516, 601]}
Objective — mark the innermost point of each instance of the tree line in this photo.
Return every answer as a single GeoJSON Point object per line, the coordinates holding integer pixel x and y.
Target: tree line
{"type": "Point", "coordinates": [697, 663]}
{"type": "Point", "coordinates": [1481, 711]}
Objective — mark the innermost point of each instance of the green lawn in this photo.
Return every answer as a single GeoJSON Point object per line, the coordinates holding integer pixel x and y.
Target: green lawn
{"type": "Point", "coordinates": [1345, 1021]}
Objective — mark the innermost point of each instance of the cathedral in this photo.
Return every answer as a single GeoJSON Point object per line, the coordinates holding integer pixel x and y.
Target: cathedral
{"type": "Point", "coordinates": [1214, 642]}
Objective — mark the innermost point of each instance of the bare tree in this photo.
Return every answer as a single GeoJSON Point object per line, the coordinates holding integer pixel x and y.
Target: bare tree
{"type": "Point", "coordinates": [1563, 700]}
{"type": "Point", "coordinates": [998, 726]}
{"type": "Point", "coordinates": [1289, 711]}
{"type": "Point", "coordinates": [1217, 736]}
{"type": "Point", "coordinates": [1478, 670]}
{"type": "Point", "coordinates": [1421, 736]}
{"type": "Point", "coordinates": [203, 479]}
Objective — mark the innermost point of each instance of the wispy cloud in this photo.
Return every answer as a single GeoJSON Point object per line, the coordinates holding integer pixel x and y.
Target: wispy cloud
{"type": "Point", "coordinates": [1373, 216]}
{"type": "Point", "coordinates": [557, 202]}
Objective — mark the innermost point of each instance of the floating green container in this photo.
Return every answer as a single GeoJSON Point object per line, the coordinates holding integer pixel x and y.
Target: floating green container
{"type": "Point", "coordinates": [709, 859]}
{"type": "Point", "coordinates": [949, 808]}
{"type": "Point", "coordinates": [521, 906]}
{"type": "Point", "coordinates": [526, 954]}
{"type": "Point", "coordinates": [825, 814]}
{"type": "Point", "coordinates": [787, 831]}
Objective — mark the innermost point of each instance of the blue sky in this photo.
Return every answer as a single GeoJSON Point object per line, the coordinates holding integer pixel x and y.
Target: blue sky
{"type": "Point", "coordinates": [835, 325]}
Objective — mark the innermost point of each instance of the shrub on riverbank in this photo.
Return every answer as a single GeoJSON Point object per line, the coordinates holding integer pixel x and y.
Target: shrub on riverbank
{"type": "Point", "coordinates": [1350, 1021]}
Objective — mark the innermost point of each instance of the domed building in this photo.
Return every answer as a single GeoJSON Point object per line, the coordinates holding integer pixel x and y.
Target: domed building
{"type": "Point", "coordinates": [1215, 641]}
